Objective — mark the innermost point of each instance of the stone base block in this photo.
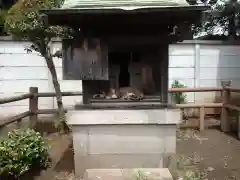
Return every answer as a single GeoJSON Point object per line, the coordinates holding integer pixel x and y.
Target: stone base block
{"type": "Point", "coordinates": [123, 139]}
{"type": "Point", "coordinates": [128, 174]}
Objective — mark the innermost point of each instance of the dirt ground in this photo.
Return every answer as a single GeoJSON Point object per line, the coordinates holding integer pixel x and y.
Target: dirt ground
{"type": "Point", "coordinates": [215, 154]}
{"type": "Point", "coordinates": [212, 152]}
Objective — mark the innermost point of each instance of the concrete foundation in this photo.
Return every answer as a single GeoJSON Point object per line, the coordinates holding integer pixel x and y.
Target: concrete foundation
{"type": "Point", "coordinates": [104, 139]}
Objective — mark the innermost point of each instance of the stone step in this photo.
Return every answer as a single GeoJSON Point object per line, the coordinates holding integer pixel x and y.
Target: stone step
{"type": "Point", "coordinates": [128, 174]}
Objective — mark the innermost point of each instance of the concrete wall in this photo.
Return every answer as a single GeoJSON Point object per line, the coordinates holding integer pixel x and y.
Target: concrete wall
{"type": "Point", "coordinates": [19, 71]}
{"type": "Point", "coordinates": [204, 64]}
{"type": "Point", "coordinates": [196, 64]}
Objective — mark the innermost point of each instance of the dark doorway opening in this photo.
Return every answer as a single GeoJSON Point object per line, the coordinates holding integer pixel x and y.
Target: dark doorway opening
{"type": "Point", "coordinates": [122, 59]}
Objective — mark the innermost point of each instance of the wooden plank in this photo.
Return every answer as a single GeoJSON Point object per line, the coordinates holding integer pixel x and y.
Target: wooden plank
{"type": "Point", "coordinates": [85, 59]}
{"type": "Point", "coordinates": [171, 90]}
{"type": "Point", "coordinates": [53, 94]}
{"type": "Point", "coordinates": [232, 89]}
{"type": "Point", "coordinates": [67, 61]}
{"type": "Point", "coordinates": [205, 105]}
{"type": "Point", "coordinates": [18, 117]}
{"type": "Point", "coordinates": [232, 107]}
{"type": "Point", "coordinates": [164, 74]}
{"type": "Point", "coordinates": [15, 98]}
{"type": "Point", "coordinates": [202, 117]}
{"type": "Point", "coordinates": [123, 106]}
{"type": "Point", "coordinates": [33, 106]}
{"type": "Point", "coordinates": [150, 100]}
{"type": "Point", "coordinates": [238, 125]}
{"type": "Point", "coordinates": [225, 125]}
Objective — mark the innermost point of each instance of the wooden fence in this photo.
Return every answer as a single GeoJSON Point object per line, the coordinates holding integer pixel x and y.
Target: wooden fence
{"type": "Point", "coordinates": [34, 95]}
{"type": "Point", "coordinates": [33, 111]}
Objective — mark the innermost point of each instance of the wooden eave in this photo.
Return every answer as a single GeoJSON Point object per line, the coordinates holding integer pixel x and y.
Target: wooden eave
{"type": "Point", "coordinates": [113, 18]}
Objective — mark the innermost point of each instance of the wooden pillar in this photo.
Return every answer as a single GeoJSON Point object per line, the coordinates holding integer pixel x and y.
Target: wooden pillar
{"type": "Point", "coordinates": [164, 74]}
{"type": "Point", "coordinates": [238, 125]}
{"type": "Point", "coordinates": [225, 123]}
{"type": "Point", "coordinates": [202, 117]}
{"type": "Point", "coordinates": [33, 106]}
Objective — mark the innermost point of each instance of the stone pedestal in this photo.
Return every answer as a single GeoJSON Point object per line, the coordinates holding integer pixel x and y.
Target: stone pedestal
{"type": "Point", "coordinates": [104, 139]}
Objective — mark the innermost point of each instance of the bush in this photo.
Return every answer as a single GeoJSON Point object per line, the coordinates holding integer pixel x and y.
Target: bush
{"type": "Point", "coordinates": [22, 151]}
{"type": "Point", "coordinates": [178, 97]}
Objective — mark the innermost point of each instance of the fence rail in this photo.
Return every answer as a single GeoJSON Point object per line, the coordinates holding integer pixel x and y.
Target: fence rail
{"type": "Point", "coordinates": [171, 90]}
{"type": "Point", "coordinates": [34, 95]}
{"type": "Point", "coordinates": [33, 112]}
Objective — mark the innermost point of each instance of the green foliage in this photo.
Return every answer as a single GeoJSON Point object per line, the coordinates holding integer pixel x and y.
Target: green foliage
{"type": "Point", "coordinates": [178, 97]}
{"type": "Point", "coordinates": [223, 18]}
{"type": "Point", "coordinates": [21, 151]}
{"type": "Point", "coordinates": [187, 170]}
{"type": "Point", "coordinates": [25, 21]}
{"type": "Point", "coordinates": [140, 175]}
{"type": "Point", "coordinates": [3, 14]}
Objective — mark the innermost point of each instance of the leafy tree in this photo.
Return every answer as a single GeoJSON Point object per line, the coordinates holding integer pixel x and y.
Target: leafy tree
{"type": "Point", "coordinates": [3, 14]}
{"type": "Point", "coordinates": [223, 18]}
{"type": "Point", "coordinates": [24, 21]}
{"type": "Point", "coordinates": [4, 7]}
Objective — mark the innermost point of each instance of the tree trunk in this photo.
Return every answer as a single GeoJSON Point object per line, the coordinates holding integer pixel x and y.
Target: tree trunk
{"type": "Point", "coordinates": [232, 27]}
{"type": "Point", "coordinates": [60, 124]}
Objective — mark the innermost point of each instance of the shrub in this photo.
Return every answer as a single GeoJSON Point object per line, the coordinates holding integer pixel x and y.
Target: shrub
{"type": "Point", "coordinates": [178, 97]}
{"type": "Point", "coordinates": [22, 151]}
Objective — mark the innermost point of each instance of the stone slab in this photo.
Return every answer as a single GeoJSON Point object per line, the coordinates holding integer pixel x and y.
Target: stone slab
{"type": "Point", "coordinates": [123, 139]}
{"type": "Point", "coordinates": [128, 174]}
{"type": "Point", "coordinates": [122, 146]}
{"type": "Point", "coordinates": [151, 116]}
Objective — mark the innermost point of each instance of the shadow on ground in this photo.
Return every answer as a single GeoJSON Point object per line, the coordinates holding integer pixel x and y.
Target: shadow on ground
{"type": "Point", "coordinates": [66, 162]}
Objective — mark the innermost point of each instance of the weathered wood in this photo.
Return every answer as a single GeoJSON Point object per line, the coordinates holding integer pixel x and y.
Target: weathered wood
{"type": "Point", "coordinates": [33, 106]}
{"type": "Point", "coordinates": [18, 117]}
{"type": "Point", "coordinates": [238, 125]}
{"type": "Point", "coordinates": [142, 105]}
{"type": "Point", "coordinates": [85, 59]}
{"type": "Point", "coordinates": [205, 105]}
{"type": "Point", "coordinates": [232, 89]}
{"type": "Point", "coordinates": [232, 107]}
{"type": "Point", "coordinates": [224, 84]}
{"type": "Point", "coordinates": [79, 93]}
{"type": "Point", "coordinates": [225, 124]}
{"type": "Point", "coordinates": [148, 100]}
{"type": "Point", "coordinates": [48, 111]}
{"type": "Point", "coordinates": [15, 98]}
{"type": "Point", "coordinates": [123, 106]}
{"type": "Point", "coordinates": [171, 90]}
{"type": "Point", "coordinates": [68, 69]}
{"type": "Point", "coordinates": [202, 117]}
{"type": "Point", "coordinates": [53, 94]}
{"type": "Point", "coordinates": [164, 73]}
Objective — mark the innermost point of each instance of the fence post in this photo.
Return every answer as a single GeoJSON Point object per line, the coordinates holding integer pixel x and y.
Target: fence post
{"type": "Point", "coordinates": [225, 124]}
{"type": "Point", "coordinates": [33, 106]}
{"type": "Point", "coordinates": [202, 116]}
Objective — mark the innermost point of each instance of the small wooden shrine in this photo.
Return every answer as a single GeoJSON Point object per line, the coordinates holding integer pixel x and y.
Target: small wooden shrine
{"type": "Point", "coordinates": [123, 43]}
